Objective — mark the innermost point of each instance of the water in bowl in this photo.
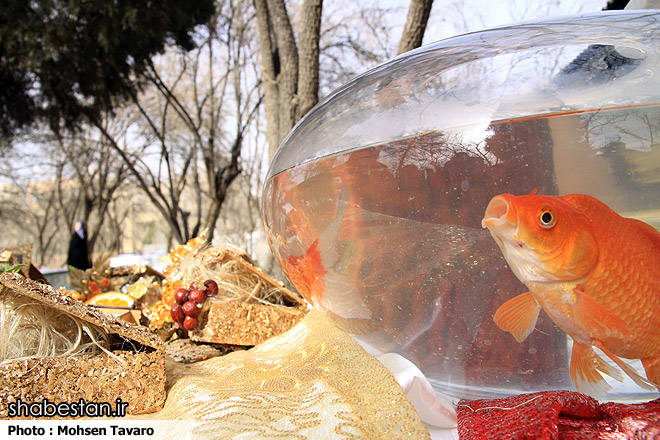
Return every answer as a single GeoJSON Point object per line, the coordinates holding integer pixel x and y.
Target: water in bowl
{"type": "Point", "coordinates": [386, 239]}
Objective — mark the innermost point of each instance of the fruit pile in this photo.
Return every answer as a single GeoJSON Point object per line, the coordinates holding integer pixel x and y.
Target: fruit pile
{"type": "Point", "coordinates": [189, 302]}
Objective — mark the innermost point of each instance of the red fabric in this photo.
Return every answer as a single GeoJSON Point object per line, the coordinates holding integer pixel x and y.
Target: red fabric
{"type": "Point", "coordinates": [562, 415]}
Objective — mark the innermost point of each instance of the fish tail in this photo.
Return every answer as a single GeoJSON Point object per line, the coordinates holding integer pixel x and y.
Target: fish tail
{"type": "Point", "coordinates": [584, 371]}
{"type": "Point", "coordinates": [630, 372]}
{"type": "Point", "coordinates": [327, 238]}
{"type": "Point", "coordinates": [652, 368]}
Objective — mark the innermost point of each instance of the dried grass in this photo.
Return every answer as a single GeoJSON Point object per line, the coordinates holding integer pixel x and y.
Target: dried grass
{"type": "Point", "coordinates": [235, 281]}
{"type": "Point", "coordinates": [29, 329]}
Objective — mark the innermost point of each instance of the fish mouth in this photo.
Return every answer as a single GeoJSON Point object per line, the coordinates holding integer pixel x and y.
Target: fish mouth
{"type": "Point", "coordinates": [501, 219]}
{"type": "Point", "coordinates": [496, 213]}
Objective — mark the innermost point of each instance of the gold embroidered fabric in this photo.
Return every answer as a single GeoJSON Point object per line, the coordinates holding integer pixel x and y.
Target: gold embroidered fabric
{"type": "Point", "coordinates": [313, 381]}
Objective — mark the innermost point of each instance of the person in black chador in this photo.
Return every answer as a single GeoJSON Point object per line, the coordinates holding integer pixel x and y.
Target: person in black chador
{"type": "Point", "coordinates": [78, 257]}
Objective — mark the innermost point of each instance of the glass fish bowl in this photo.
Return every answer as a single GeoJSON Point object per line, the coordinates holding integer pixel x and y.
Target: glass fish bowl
{"type": "Point", "coordinates": [373, 203]}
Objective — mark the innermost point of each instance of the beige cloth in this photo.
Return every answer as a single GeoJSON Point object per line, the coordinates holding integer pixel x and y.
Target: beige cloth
{"type": "Point", "coordinates": [313, 381]}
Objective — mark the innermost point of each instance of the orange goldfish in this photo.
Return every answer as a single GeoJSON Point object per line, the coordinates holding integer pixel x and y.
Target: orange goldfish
{"type": "Point", "coordinates": [322, 274]}
{"type": "Point", "coordinates": [595, 273]}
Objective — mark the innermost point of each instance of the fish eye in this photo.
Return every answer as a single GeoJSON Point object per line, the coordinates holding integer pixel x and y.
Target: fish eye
{"type": "Point", "coordinates": [547, 218]}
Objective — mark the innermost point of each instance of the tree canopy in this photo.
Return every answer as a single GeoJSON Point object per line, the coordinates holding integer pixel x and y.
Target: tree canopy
{"type": "Point", "coordinates": [62, 60]}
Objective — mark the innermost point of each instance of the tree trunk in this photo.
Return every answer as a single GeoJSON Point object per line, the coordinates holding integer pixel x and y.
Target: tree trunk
{"type": "Point", "coordinates": [271, 70]}
{"type": "Point", "coordinates": [291, 75]}
{"type": "Point", "coordinates": [290, 78]}
{"type": "Point", "coordinates": [287, 80]}
{"type": "Point", "coordinates": [413, 32]}
{"type": "Point", "coordinates": [308, 69]}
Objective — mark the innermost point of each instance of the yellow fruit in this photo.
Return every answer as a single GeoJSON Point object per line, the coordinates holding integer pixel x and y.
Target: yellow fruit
{"type": "Point", "coordinates": [111, 299]}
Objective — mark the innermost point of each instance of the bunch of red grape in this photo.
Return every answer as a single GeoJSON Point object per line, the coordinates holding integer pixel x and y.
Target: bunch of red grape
{"type": "Point", "coordinates": [189, 303]}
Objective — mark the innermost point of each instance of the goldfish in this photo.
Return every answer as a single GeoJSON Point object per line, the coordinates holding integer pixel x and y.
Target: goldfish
{"type": "Point", "coordinates": [321, 274]}
{"type": "Point", "coordinates": [595, 273]}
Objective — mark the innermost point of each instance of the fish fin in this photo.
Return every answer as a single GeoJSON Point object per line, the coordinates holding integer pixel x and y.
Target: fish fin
{"type": "Point", "coordinates": [326, 240]}
{"type": "Point", "coordinates": [598, 320]}
{"type": "Point", "coordinates": [342, 298]}
{"type": "Point", "coordinates": [518, 316]}
{"type": "Point", "coordinates": [652, 368]}
{"type": "Point", "coordinates": [630, 372]}
{"type": "Point", "coordinates": [307, 272]}
{"type": "Point", "coordinates": [584, 371]}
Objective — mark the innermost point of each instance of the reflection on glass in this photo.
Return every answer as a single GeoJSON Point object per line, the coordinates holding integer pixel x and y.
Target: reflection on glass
{"type": "Point", "coordinates": [373, 204]}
